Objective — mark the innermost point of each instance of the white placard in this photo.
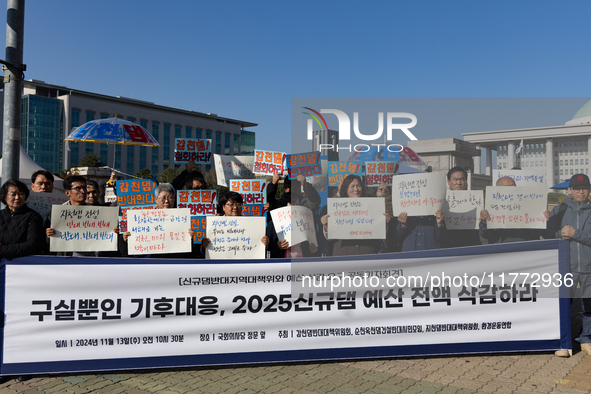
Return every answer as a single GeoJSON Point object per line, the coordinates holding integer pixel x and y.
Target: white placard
{"type": "Point", "coordinates": [235, 237]}
{"type": "Point", "coordinates": [418, 194]}
{"type": "Point", "coordinates": [83, 228]}
{"type": "Point", "coordinates": [295, 224]}
{"type": "Point", "coordinates": [516, 207]}
{"type": "Point", "coordinates": [155, 231]}
{"type": "Point", "coordinates": [356, 218]}
{"type": "Point", "coordinates": [462, 209]}
{"type": "Point", "coordinates": [521, 177]}
{"type": "Point", "coordinates": [233, 167]}
{"type": "Point", "coordinates": [42, 202]}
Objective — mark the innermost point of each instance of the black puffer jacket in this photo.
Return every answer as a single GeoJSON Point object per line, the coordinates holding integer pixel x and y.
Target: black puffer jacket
{"type": "Point", "coordinates": [21, 232]}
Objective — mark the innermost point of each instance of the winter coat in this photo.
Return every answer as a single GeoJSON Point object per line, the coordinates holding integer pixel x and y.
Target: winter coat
{"type": "Point", "coordinates": [21, 232]}
{"type": "Point", "coordinates": [579, 217]}
{"type": "Point", "coordinates": [422, 233]}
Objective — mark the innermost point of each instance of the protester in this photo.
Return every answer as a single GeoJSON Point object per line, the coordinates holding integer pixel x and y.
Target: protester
{"type": "Point", "coordinates": [190, 179]}
{"type": "Point", "coordinates": [506, 235]}
{"type": "Point", "coordinates": [457, 180]}
{"type": "Point", "coordinates": [422, 232]}
{"type": "Point", "coordinates": [42, 182]}
{"type": "Point", "coordinates": [230, 204]}
{"type": "Point", "coordinates": [92, 193]}
{"type": "Point", "coordinates": [571, 220]}
{"type": "Point", "coordinates": [352, 187]}
{"type": "Point", "coordinates": [391, 243]}
{"type": "Point", "coordinates": [21, 228]}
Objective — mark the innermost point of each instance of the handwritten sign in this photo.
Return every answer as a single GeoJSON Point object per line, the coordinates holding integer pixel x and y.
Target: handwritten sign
{"type": "Point", "coordinates": [356, 218]}
{"type": "Point", "coordinates": [189, 149]}
{"type": "Point", "coordinates": [516, 207]}
{"type": "Point", "coordinates": [295, 224]}
{"type": "Point", "coordinates": [269, 163]}
{"type": "Point", "coordinates": [42, 202]}
{"type": "Point", "coordinates": [377, 172]}
{"type": "Point", "coordinates": [156, 231]}
{"type": "Point", "coordinates": [521, 177]}
{"type": "Point", "coordinates": [233, 167]}
{"type": "Point", "coordinates": [462, 209]}
{"type": "Point", "coordinates": [307, 164]}
{"type": "Point", "coordinates": [338, 170]}
{"type": "Point", "coordinates": [253, 209]}
{"type": "Point", "coordinates": [198, 225]}
{"type": "Point", "coordinates": [235, 237]}
{"type": "Point", "coordinates": [83, 228]}
{"type": "Point", "coordinates": [199, 202]}
{"type": "Point", "coordinates": [418, 194]}
{"type": "Point", "coordinates": [253, 191]}
{"type": "Point", "coordinates": [125, 210]}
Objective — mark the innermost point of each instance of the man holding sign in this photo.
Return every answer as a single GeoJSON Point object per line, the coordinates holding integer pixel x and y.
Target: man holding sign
{"type": "Point", "coordinates": [457, 180]}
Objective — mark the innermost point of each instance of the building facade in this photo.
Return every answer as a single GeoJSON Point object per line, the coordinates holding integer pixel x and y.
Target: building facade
{"type": "Point", "coordinates": [49, 113]}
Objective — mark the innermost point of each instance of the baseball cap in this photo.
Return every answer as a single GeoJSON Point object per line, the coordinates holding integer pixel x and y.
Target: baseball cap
{"type": "Point", "coordinates": [579, 180]}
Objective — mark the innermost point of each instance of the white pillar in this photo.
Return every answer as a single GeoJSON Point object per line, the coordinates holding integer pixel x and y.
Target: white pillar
{"type": "Point", "coordinates": [477, 161]}
{"type": "Point", "coordinates": [550, 162]}
{"type": "Point", "coordinates": [510, 155]}
{"type": "Point", "coordinates": [489, 160]}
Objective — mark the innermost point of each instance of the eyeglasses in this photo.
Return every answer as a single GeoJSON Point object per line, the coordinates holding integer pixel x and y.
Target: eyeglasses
{"type": "Point", "coordinates": [166, 198]}
{"type": "Point", "coordinates": [237, 205]}
{"type": "Point", "coordinates": [78, 189]}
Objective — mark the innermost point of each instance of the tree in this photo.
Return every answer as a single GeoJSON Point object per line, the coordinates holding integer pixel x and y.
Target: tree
{"type": "Point", "coordinates": [168, 175]}
{"type": "Point", "coordinates": [144, 174]}
{"type": "Point", "coordinates": [212, 182]}
{"type": "Point", "coordinates": [91, 160]}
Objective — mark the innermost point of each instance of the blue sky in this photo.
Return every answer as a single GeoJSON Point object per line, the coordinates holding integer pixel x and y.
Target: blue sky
{"type": "Point", "coordinates": [246, 60]}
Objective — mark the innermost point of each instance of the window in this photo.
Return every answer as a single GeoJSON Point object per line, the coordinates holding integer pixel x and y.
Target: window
{"type": "Point", "coordinates": [571, 153]}
{"type": "Point", "coordinates": [526, 146]}
{"type": "Point", "coordinates": [571, 162]}
{"type": "Point", "coordinates": [586, 161]}
{"type": "Point", "coordinates": [131, 119]}
{"type": "Point", "coordinates": [556, 172]}
{"type": "Point", "coordinates": [166, 148]}
{"type": "Point", "coordinates": [576, 143]}
{"type": "Point", "coordinates": [208, 134]}
{"type": "Point", "coordinates": [218, 142]}
{"type": "Point", "coordinates": [155, 127]}
{"type": "Point", "coordinates": [504, 165]}
{"type": "Point", "coordinates": [571, 171]}
{"type": "Point", "coordinates": [555, 162]}
{"type": "Point", "coordinates": [577, 161]}
{"type": "Point", "coordinates": [236, 144]}
{"type": "Point", "coordinates": [198, 133]}
{"type": "Point", "coordinates": [130, 161]}
{"type": "Point", "coordinates": [537, 163]}
{"type": "Point", "coordinates": [178, 130]}
{"type": "Point", "coordinates": [226, 144]}
{"type": "Point", "coordinates": [561, 172]}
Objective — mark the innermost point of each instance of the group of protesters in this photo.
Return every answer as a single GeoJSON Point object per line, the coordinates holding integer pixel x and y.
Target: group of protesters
{"type": "Point", "coordinates": [24, 232]}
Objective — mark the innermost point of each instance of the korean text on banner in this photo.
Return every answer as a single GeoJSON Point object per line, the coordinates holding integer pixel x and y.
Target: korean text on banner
{"type": "Point", "coordinates": [82, 228]}
{"type": "Point", "coordinates": [516, 207]}
{"type": "Point", "coordinates": [268, 162]}
{"type": "Point", "coordinates": [190, 149]}
{"type": "Point", "coordinates": [199, 202]}
{"type": "Point", "coordinates": [199, 226]}
{"type": "Point", "coordinates": [253, 209]}
{"type": "Point", "coordinates": [233, 167]}
{"type": "Point", "coordinates": [356, 218]}
{"type": "Point", "coordinates": [134, 194]}
{"type": "Point", "coordinates": [462, 209]}
{"type": "Point", "coordinates": [377, 172]}
{"type": "Point", "coordinates": [235, 237]}
{"type": "Point", "coordinates": [295, 224]}
{"type": "Point", "coordinates": [307, 164]}
{"type": "Point", "coordinates": [418, 194]}
{"type": "Point", "coordinates": [521, 177]}
{"type": "Point", "coordinates": [159, 231]}
{"type": "Point", "coordinates": [319, 181]}
{"type": "Point", "coordinates": [338, 170]}
{"type": "Point", "coordinates": [42, 202]}
{"type": "Point", "coordinates": [253, 191]}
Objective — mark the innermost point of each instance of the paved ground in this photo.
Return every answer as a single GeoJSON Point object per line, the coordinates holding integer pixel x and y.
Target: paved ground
{"type": "Point", "coordinates": [536, 373]}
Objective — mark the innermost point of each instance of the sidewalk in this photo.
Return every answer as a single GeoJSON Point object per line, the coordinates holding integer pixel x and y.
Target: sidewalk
{"type": "Point", "coordinates": [532, 372]}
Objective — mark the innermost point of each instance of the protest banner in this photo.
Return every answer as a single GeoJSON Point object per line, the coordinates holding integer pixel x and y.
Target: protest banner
{"type": "Point", "coordinates": [295, 224]}
{"type": "Point", "coordinates": [82, 228]}
{"type": "Point", "coordinates": [134, 194]}
{"type": "Point", "coordinates": [198, 225]}
{"type": "Point", "coordinates": [418, 194]}
{"type": "Point", "coordinates": [307, 164]}
{"type": "Point", "coordinates": [338, 170]}
{"type": "Point", "coordinates": [158, 231]}
{"type": "Point", "coordinates": [253, 191]}
{"type": "Point", "coordinates": [462, 209]}
{"type": "Point", "coordinates": [377, 172]}
{"type": "Point", "coordinates": [42, 202]}
{"type": "Point", "coordinates": [268, 162]}
{"type": "Point", "coordinates": [201, 203]}
{"type": "Point", "coordinates": [319, 181]}
{"type": "Point", "coordinates": [190, 149]}
{"type": "Point", "coordinates": [235, 237]}
{"type": "Point", "coordinates": [356, 218]}
{"type": "Point", "coordinates": [521, 177]}
{"type": "Point", "coordinates": [253, 210]}
{"type": "Point", "coordinates": [516, 207]}
{"type": "Point", "coordinates": [65, 315]}
{"type": "Point", "coordinates": [233, 167]}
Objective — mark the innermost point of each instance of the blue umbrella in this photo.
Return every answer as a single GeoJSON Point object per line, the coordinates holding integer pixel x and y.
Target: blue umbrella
{"type": "Point", "coordinates": [563, 185]}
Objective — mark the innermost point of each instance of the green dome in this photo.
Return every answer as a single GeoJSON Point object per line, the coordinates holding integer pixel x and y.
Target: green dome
{"type": "Point", "coordinates": [584, 111]}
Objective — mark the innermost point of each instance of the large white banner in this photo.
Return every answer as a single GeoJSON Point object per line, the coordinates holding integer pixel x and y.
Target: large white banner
{"type": "Point", "coordinates": [235, 237]}
{"type": "Point", "coordinates": [516, 207]}
{"type": "Point", "coordinates": [156, 231]}
{"type": "Point", "coordinates": [233, 167]}
{"type": "Point", "coordinates": [462, 209]}
{"type": "Point", "coordinates": [134, 314]}
{"type": "Point", "coordinates": [418, 194]}
{"type": "Point", "coordinates": [356, 218]}
{"type": "Point", "coordinates": [521, 177]}
{"type": "Point", "coordinates": [83, 228]}
{"type": "Point", "coordinates": [295, 224]}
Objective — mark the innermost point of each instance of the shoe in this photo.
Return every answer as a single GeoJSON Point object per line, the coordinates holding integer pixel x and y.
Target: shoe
{"type": "Point", "coordinates": [586, 347]}
{"type": "Point", "coordinates": [562, 353]}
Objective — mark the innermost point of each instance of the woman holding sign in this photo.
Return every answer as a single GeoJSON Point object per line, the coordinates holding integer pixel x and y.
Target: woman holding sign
{"type": "Point", "coordinates": [21, 228]}
{"type": "Point", "coordinates": [353, 187]}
